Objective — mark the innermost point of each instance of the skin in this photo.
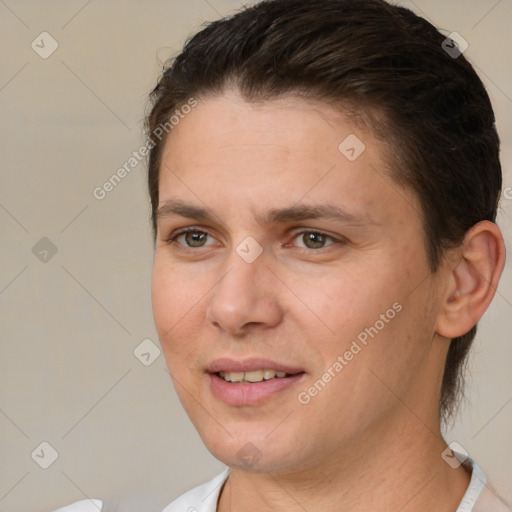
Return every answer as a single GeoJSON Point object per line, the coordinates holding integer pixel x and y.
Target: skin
{"type": "Point", "coordinates": [375, 425]}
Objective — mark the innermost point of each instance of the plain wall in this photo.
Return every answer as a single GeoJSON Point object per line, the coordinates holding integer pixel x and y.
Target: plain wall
{"type": "Point", "coordinates": [69, 325]}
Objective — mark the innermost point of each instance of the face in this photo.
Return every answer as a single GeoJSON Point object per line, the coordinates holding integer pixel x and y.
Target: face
{"type": "Point", "coordinates": [302, 257]}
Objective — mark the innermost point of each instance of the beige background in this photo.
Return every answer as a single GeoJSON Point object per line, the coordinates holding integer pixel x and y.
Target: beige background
{"type": "Point", "coordinates": [70, 325]}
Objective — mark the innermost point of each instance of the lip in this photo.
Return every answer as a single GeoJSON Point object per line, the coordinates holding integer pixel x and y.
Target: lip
{"type": "Point", "coordinates": [238, 394]}
{"type": "Point", "coordinates": [226, 364]}
{"type": "Point", "coordinates": [250, 394]}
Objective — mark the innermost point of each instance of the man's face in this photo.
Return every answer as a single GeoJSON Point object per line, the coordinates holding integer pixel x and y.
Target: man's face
{"type": "Point", "coordinates": [345, 304]}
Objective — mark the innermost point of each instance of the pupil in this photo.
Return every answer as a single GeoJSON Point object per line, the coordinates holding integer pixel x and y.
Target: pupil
{"type": "Point", "coordinates": [193, 237]}
{"type": "Point", "coordinates": [310, 237]}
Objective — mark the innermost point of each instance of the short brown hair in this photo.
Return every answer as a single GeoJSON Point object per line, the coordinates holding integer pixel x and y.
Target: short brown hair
{"type": "Point", "coordinates": [438, 122]}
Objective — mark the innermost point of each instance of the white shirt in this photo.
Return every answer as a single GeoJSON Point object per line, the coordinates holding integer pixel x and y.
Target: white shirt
{"type": "Point", "coordinates": [478, 497]}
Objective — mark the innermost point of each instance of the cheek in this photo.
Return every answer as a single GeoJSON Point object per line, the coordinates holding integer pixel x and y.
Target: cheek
{"type": "Point", "coordinates": [173, 291]}
{"type": "Point", "coordinates": [173, 298]}
{"type": "Point", "coordinates": [162, 297]}
{"type": "Point", "coordinates": [395, 348]}
{"type": "Point", "coordinates": [374, 309]}
{"type": "Point", "coordinates": [351, 299]}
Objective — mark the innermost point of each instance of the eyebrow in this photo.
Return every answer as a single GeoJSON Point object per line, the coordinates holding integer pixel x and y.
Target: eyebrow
{"type": "Point", "coordinates": [271, 217]}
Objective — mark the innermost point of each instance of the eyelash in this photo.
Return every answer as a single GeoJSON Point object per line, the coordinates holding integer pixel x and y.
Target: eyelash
{"type": "Point", "coordinates": [174, 236]}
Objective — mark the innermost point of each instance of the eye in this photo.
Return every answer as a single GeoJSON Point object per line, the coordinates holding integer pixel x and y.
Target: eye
{"type": "Point", "coordinates": [314, 239]}
{"type": "Point", "coordinates": [195, 238]}
{"type": "Point", "coordinates": [192, 238]}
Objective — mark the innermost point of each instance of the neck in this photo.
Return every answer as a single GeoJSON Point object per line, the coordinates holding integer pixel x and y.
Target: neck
{"type": "Point", "coordinates": [406, 473]}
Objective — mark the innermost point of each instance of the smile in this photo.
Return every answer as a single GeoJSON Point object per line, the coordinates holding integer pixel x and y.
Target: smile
{"type": "Point", "coordinates": [252, 376]}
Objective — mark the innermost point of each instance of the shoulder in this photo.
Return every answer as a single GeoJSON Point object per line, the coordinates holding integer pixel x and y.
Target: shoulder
{"type": "Point", "coordinates": [200, 499]}
{"type": "Point", "coordinates": [83, 506]}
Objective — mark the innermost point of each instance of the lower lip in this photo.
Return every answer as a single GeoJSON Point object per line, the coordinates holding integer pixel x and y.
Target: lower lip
{"type": "Point", "coordinates": [250, 394]}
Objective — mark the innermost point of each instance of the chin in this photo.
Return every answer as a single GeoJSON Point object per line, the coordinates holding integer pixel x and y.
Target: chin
{"type": "Point", "coordinates": [255, 453]}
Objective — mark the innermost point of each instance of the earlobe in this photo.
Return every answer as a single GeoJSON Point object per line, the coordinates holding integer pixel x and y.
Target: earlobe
{"type": "Point", "coordinates": [474, 278]}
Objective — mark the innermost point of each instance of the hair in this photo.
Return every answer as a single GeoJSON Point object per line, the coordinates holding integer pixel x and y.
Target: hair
{"type": "Point", "coordinates": [434, 115]}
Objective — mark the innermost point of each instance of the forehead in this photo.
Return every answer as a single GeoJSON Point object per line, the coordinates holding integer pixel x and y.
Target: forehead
{"type": "Point", "coordinates": [289, 123]}
{"type": "Point", "coordinates": [276, 153]}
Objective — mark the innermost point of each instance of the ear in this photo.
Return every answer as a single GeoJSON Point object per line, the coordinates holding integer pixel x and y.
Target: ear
{"type": "Point", "coordinates": [473, 279]}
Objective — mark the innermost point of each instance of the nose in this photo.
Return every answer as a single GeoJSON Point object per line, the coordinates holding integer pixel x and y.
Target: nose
{"type": "Point", "coordinates": [246, 297]}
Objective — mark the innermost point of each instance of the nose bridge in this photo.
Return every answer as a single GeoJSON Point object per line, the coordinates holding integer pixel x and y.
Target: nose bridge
{"type": "Point", "coordinates": [243, 283]}
{"type": "Point", "coordinates": [246, 264]}
{"type": "Point", "coordinates": [244, 293]}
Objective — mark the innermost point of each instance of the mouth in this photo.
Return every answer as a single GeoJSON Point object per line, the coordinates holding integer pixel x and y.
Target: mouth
{"type": "Point", "coordinates": [252, 381]}
{"type": "Point", "coordinates": [253, 376]}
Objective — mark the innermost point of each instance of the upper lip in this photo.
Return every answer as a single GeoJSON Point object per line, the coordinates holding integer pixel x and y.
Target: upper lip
{"type": "Point", "coordinates": [225, 364]}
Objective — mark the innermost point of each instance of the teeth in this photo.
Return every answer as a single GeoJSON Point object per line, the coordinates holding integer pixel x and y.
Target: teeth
{"type": "Point", "coordinates": [236, 376]}
{"type": "Point", "coordinates": [269, 374]}
{"type": "Point", "coordinates": [253, 376]}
